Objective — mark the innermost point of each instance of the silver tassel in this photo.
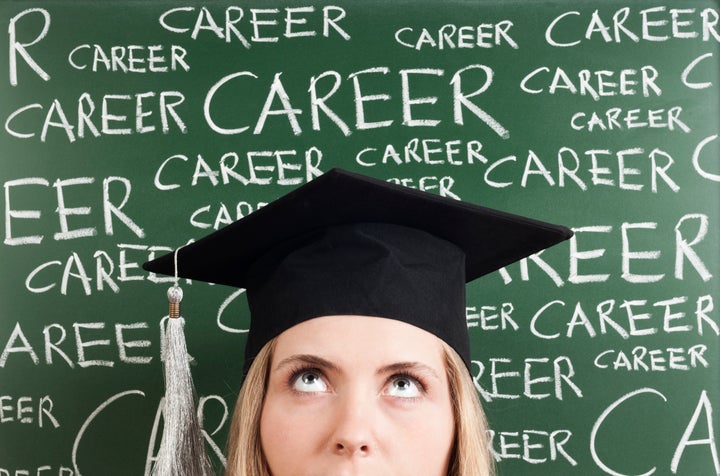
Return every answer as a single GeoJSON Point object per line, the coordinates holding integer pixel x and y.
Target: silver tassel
{"type": "Point", "coordinates": [182, 449]}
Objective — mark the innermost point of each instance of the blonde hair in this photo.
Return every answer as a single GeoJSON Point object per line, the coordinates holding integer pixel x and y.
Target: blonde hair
{"type": "Point", "coordinates": [245, 456]}
{"type": "Point", "coordinates": [471, 453]}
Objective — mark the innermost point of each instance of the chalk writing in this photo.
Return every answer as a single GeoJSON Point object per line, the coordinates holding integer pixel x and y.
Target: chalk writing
{"type": "Point", "coordinates": [266, 25]}
{"type": "Point", "coordinates": [555, 378]}
{"type": "Point", "coordinates": [450, 36]}
{"type": "Point", "coordinates": [462, 97]}
{"type": "Point", "coordinates": [629, 318]}
{"type": "Point", "coordinates": [28, 411]}
{"type": "Point", "coordinates": [128, 59]}
{"type": "Point", "coordinates": [55, 346]}
{"type": "Point", "coordinates": [658, 24]}
{"type": "Point", "coordinates": [262, 167]}
{"type": "Point", "coordinates": [532, 446]}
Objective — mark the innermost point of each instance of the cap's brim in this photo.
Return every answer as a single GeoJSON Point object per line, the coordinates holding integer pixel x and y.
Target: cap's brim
{"type": "Point", "coordinates": [491, 239]}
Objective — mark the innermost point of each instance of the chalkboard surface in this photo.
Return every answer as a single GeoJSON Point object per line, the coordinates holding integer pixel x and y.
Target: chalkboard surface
{"type": "Point", "coordinates": [130, 128]}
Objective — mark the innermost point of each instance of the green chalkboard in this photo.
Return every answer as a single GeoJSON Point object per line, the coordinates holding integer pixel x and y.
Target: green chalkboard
{"type": "Point", "coordinates": [130, 128]}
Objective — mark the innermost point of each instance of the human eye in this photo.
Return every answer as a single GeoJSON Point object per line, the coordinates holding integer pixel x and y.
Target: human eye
{"type": "Point", "coordinates": [404, 386]}
{"type": "Point", "coordinates": [308, 381]}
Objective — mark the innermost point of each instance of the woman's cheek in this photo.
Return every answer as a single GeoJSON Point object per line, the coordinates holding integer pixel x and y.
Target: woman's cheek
{"type": "Point", "coordinates": [427, 425]}
{"type": "Point", "coordinates": [291, 420]}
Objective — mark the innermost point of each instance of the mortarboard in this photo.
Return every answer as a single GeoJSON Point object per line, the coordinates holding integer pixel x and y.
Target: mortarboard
{"type": "Point", "coordinates": [347, 244]}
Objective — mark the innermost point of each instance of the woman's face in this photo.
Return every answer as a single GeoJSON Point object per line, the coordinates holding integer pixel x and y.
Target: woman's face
{"type": "Point", "coordinates": [355, 395]}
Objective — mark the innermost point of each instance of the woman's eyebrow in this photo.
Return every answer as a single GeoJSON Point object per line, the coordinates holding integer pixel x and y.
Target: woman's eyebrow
{"type": "Point", "coordinates": [320, 362]}
{"type": "Point", "coordinates": [307, 359]}
{"type": "Point", "coordinates": [416, 367]}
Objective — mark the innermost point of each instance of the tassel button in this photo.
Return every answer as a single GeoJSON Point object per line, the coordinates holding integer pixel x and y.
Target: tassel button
{"type": "Point", "coordinates": [175, 295]}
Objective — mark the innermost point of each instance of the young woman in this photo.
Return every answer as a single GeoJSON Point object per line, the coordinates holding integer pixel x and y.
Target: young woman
{"type": "Point", "coordinates": [358, 353]}
{"type": "Point", "coordinates": [358, 395]}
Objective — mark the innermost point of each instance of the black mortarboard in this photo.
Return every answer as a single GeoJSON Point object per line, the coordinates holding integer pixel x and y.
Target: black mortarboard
{"type": "Point", "coordinates": [346, 244]}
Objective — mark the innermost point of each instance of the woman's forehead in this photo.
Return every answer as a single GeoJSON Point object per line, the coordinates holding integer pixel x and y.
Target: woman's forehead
{"type": "Point", "coordinates": [352, 340]}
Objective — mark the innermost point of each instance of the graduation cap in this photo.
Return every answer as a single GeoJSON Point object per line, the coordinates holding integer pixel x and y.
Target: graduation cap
{"type": "Point", "coordinates": [347, 244]}
{"type": "Point", "coordinates": [342, 244]}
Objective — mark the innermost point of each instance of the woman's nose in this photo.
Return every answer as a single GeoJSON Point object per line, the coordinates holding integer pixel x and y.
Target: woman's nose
{"type": "Point", "coordinates": [348, 447]}
{"type": "Point", "coordinates": [354, 432]}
